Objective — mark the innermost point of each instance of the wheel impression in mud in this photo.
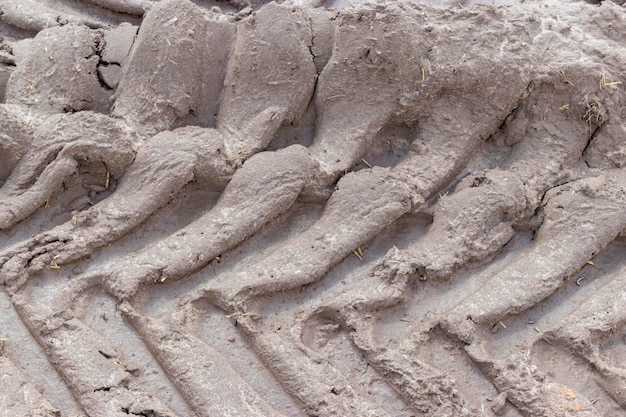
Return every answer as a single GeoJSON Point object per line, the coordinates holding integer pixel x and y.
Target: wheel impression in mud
{"type": "Point", "coordinates": [381, 210]}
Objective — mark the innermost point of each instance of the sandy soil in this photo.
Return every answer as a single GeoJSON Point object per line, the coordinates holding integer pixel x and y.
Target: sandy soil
{"type": "Point", "coordinates": [323, 208]}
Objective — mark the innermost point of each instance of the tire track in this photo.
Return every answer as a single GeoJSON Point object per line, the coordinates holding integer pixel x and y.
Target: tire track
{"type": "Point", "coordinates": [459, 254]}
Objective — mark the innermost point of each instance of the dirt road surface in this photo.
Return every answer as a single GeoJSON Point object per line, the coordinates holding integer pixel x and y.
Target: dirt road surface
{"type": "Point", "coordinates": [313, 208]}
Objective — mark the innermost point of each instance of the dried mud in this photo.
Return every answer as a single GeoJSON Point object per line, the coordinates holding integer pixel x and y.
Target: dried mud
{"type": "Point", "coordinates": [323, 209]}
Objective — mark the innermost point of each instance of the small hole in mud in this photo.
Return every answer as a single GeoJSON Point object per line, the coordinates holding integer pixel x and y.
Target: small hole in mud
{"type": "Point", "coordinates": [478, 181]}
{"type": "Point", "coordinates": [391, 144]}
{"type": "Point", "coordinates": [105, 355]}
{"type": "Point", "coordinates": [317, 331]}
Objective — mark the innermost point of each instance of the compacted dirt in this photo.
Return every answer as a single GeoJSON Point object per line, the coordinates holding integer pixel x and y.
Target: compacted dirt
{"type": "Point", "coordinates": [312, 208]}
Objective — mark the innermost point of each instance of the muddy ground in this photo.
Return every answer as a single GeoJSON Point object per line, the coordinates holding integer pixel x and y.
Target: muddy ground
{"type": "Point", "coordinates": [322, 208]}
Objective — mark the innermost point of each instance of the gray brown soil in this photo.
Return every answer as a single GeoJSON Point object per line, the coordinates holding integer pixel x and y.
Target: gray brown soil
{"type": "Point", "coordinates": [314, 208]}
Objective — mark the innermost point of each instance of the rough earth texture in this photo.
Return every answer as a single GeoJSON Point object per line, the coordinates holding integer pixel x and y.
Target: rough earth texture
{"type": "Point", "coordinates": [321, 209]}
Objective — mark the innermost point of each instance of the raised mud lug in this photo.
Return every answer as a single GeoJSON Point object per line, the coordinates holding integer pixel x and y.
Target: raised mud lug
{"type": "Point", "coordinates": [101, 381]}
{"type": "Point", "coordinates": [32, 16]}
{"type": "Point", "coordinates": [172, 31]}
{"type": "Point", "coordinates": [132, 7]}
{"type": "Point", "coordinates": [528, 388]}
{"type": "Point", "coordinates": [60, 64]}
{"type": "Point", "coordinates": [201, 374]}
{"type": "Point", "coordinates": [593, 207]}
{"type": "Point", "coordinates": [320, 387]}
{"type": "Point", "coordinates": [17, 388]}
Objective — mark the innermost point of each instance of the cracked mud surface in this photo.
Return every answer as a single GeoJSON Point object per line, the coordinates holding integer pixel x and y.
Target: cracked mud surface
{"type": "Point", "coordinates": [321, 209]}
